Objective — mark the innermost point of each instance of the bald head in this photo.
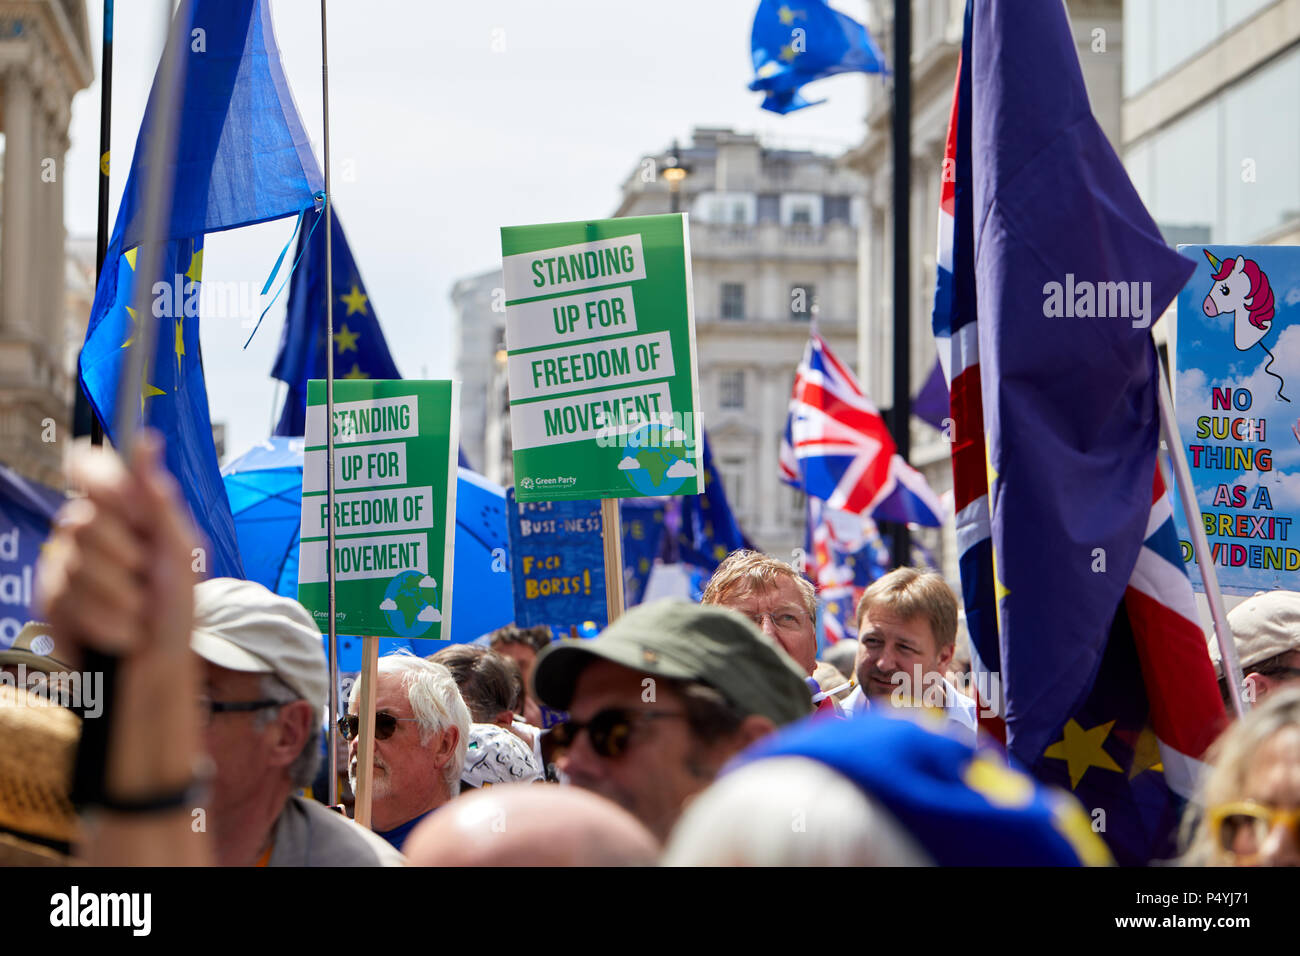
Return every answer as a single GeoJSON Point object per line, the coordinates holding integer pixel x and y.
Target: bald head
{"type": "Point", "coordinates": [531, 825]}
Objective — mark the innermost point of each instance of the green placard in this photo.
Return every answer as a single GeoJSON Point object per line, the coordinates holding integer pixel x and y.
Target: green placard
{"type": "Point", "coordinates": [395, 453]}
{"type": "Point", "coordinates": [600, 338]}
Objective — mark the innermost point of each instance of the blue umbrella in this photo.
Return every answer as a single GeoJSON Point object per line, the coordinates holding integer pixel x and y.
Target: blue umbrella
{"type": "Point", "coordinates": [264, 486]}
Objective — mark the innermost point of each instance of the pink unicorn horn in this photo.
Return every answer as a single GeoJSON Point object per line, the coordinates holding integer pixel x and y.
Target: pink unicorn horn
{"type": "Point", "coordinates": [1214, 263]}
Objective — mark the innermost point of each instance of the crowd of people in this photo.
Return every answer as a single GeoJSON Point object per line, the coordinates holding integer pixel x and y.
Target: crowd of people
{"type": "Point", "coordinates": [683, 734]}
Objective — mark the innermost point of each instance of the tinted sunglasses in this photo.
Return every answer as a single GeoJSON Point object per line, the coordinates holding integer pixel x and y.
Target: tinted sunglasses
{"type": "Point", "coordinates": [1243, 828]}
{"type": "Point", "coordinates": [609, 731]}
{"type": "Point", "coordinates": [385, 725]}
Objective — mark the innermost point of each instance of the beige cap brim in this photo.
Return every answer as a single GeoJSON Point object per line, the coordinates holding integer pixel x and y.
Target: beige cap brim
{"type": "Point", "coordinates": [219, 651]}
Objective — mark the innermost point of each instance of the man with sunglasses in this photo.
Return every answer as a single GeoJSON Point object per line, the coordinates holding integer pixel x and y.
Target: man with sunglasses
{"type": "Point", "coordinates": [421, 734]}
{"type": "Point", "coordinates": [661, 699]}
{"type": "Point", "coordinates": [265, 689]}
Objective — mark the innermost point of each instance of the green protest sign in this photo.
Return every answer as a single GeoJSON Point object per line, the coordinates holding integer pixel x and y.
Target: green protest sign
{"type": "Point", "coordinates": [395, 452]}
{"type": "Point", "coordinates": [600, 339]}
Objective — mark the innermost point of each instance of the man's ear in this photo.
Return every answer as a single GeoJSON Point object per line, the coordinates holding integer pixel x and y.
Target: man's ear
{"type": "Point", "coordinates": [752, 728]}
{"type": "Point", "coordinates": [1257, 687]}
{"type": "Point", "coordinates": [504, 718]}
{"type": "Point", "coordinates": [945, 657]}
{"type": "Point", "coordinates": [445, 746]}
{"type": "Point", "coordinates": [295, 725]}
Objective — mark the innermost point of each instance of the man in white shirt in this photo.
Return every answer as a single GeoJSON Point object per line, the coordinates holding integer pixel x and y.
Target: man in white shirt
{"type": "Point", "coordinates": [907, 631]}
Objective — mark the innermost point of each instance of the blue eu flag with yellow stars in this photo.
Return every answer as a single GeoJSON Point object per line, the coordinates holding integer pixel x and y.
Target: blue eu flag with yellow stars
{"type": "Point", "coordinates": [794, 42]}
{"type": "Point", "coordinates": [241, 157]}
{"type": "Point", "coordinates": [709, 530]}
{"type": "Point", "coordinates": [360, 350]}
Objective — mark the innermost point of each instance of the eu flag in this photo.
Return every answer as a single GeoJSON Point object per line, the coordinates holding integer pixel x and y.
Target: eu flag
{"type": "Point", "coordinates": [794, 42]}
{"type": "Point", "coordinates": [242, 157]}
{"type": "Point", "coordinates": [1108, 689]}
{"type": "Point", "coordinates": [360, 350]}
{"type": "Point", "coordinates": [709, 530]}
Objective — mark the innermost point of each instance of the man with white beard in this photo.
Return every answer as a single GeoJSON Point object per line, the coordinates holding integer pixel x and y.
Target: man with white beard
{"type": "Point", "coordinates": [421, 732]}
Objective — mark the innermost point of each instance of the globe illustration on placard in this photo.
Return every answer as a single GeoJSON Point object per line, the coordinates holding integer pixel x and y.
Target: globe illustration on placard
{"type": "Point", "coordinates": [409, 611]}
{"type": "Point", "coordinates": [656, 460]}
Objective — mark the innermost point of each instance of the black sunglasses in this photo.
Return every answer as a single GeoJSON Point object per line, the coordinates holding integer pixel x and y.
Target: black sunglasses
{"type": "Point", "coordinates": [385, 725]}
{"type": "Point", "coordinates": [609, 730]}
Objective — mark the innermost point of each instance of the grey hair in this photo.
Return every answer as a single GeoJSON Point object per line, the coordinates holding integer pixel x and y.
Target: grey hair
{"type": "Point", "coordinates": [302, 772]}
{"type": "Point", "coordinates": [435, 701]}
{"type": "Point", "coordinates": [789, 811]}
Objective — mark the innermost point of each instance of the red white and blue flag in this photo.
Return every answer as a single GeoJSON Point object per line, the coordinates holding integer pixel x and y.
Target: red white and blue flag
{"type": "Point", "coordinates": [844, 554]}
{"type": "Point", "coordinates": [836, 447]}
{"type": "Point", "coordinates": [1074, 587]}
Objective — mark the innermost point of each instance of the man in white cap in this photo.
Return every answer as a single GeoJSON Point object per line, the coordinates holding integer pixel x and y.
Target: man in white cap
{"type": "Point", "coordinates": [265, 693]}
{"type": "Point", "coordinates": [1266, 630]}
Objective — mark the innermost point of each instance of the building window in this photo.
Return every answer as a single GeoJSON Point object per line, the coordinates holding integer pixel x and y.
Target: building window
{"type": "Point", "coordinates": [803, 301]}
{"type": "Point", "coordinates": [733, 300]}
{"type": "Point", "coordinates": [837, 208]}
{"type": "Point", "coordinates": [732, 472]}
{"type": "Point", "coordinates": [769, 208]}
{"type": "Point", "coordinates": [731, 389]}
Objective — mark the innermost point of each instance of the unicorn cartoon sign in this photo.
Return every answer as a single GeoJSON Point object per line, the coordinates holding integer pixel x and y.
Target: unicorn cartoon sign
{"type": "Point", "coordinates": [1239, 428]}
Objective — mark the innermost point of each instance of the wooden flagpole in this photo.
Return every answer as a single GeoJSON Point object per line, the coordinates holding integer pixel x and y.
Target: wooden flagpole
{"type": "Point", "coordinates": [611, 533]}
{"type": "Point", "coordinates": [366, 732]}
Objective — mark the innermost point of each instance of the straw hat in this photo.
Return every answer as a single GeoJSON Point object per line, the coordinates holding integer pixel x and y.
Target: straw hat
{"type": "Point", "coordinates": [38, 743]}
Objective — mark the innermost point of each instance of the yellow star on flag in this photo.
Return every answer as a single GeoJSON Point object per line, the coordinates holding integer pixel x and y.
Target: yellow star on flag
{"type": "Point", "coordinates": [355, 301]}
{"type": "Point", "coordinates": [345, 339]}
{"type": "Point", "coordinates": [195, 271]}
{"type": "Point", "coordinates": [786, 15]}
{"type": "Point", "coordinates": [1081, 749]}
{"type": "Point", "coordinates": [179, 347]}
{"type": "Point", "coordinates": [147, 390]}
{"type": "Point", "coordinates": [129, 255]}
{"type": "Point", "coordinates": [1146, 754]}
{"type": "Point", "coordinates": [130, 312]}
{"type": "Point", "coordinates": [356, 372]}
{"type": "Point", "coordinates": [1000, 590]}
{"type": "Point", "coordinates": [788, 54]}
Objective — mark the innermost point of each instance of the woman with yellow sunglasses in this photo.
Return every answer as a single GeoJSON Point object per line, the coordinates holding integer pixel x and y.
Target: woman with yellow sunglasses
{"type": "Point", "coordinates": [1249, 812]}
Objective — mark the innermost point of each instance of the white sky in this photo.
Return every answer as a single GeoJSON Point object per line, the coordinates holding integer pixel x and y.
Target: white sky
{"type": "Point", "coordinates": [449, 140]}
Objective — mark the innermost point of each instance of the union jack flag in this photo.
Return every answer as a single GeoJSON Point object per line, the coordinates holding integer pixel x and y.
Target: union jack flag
{"type": "Point", "coordinates": [844, 554]}
{"type": "Point", "coordinates": [1075, 594]}
{"type": "Point", "coordinates": [836, 447]}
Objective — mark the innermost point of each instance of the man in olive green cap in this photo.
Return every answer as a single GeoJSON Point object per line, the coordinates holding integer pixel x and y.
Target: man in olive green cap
{"type": "Point", "coordinates": [663, 698]}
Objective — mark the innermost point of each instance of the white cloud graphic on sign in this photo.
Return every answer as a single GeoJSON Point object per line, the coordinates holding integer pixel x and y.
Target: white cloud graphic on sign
{"type": "Point", "coordinates": [628, 464]}
{"type": "Point", "coordinates": [429, 613]}
{"type": "Point", "coordinates": [428, 582]}
{"type": "Point", "coordinates": [388, 605]}
{"type": "Point", "coordinates": [681, 468]}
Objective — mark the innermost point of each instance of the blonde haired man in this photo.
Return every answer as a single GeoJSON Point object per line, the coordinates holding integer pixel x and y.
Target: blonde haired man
{"type": "Point", "coordinates": [907, 631]}
{"type": "Point", "coordinates": [781, 602]}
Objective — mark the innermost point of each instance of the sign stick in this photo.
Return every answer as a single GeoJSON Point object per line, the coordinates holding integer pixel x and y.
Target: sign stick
{"type": "Point", "coordinates": [611, 532]}
{"type": "Point", "coordinates": [1192, 509]}
{"type": "Point", "coordinates": [366, 747]}
{"type": "Point", "coordinates": [327, 212]}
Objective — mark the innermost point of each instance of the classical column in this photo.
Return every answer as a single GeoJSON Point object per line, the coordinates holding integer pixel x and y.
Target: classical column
{"type": "Point", "coordinates": [55, 319]}
{"type": "Point", "coordinates": [771, 424]}
{"type": "Point", "coordinates": [19, 192]}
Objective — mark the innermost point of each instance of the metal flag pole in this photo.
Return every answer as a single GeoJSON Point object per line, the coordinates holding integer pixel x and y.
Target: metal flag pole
{"type": "Point", "coordinates": [92, 750]}
{"type": "Point", "coordinates": [329, 414]}
{"type": "Point", "coordinates": [900, 414]}
{"type": "Point", "coordinates": [81, 405]}
{"type": "Point", "coordinates": [1192, 511]}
